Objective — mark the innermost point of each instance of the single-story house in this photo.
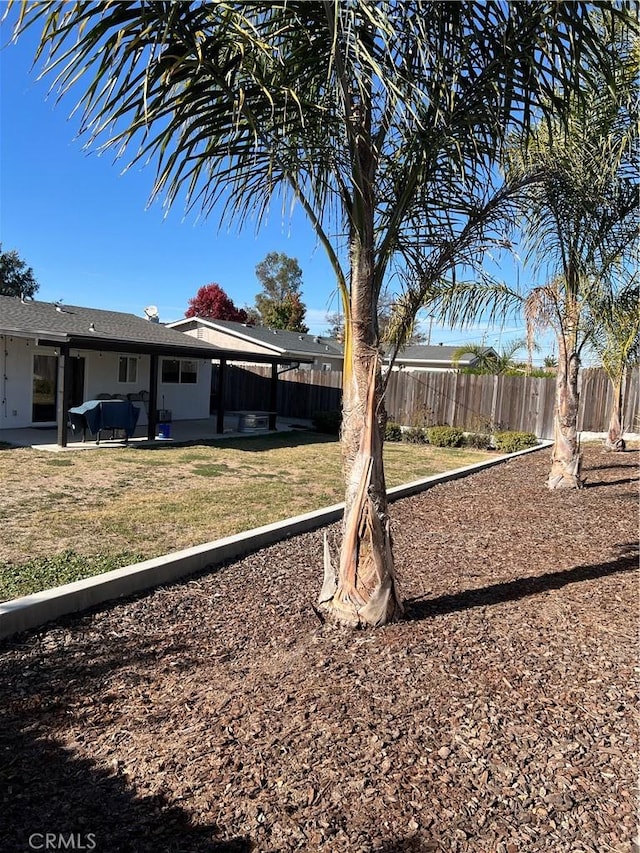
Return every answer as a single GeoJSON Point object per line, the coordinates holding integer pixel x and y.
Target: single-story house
{"type": "Point", "coordinates": [320, 352]}
{"type": "Point", "coordinates": [436, 358]}
{"type": "Point", "coordinates": [313, 351]}
{"type": "Point", "coordinates": [56, 356]}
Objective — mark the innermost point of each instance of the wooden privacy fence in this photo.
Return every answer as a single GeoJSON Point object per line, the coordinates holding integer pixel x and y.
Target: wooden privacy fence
{"type": "Point", "coordinates": [596, 399]}
{"type": "Point", "coordinates": [301, 393]}
{"type": "Point", "coordinates": [422, 398]}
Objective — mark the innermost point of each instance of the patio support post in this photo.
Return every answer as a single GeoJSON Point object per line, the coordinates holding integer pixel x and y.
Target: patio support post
{"type": "Point", "coordinates": [222, 382]}
{"type": "Point", "coordinates": [273, 397]}
{"type": "Point", "coordinates": [153, 398]}
{"type": "Point", "coordinates": [63, 394]}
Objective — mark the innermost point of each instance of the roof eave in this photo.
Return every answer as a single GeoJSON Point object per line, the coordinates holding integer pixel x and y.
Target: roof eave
{"type": "Point", "coordinates": [231, 332]}
{"type": "Point", "coordinates": [148, 348]}
{"type": "Point", "coordinates": [461, 363]}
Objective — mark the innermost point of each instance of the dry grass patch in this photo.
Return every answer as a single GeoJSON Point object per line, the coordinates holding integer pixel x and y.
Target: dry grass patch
{"type": "Point", "coordinates": [101, 504]}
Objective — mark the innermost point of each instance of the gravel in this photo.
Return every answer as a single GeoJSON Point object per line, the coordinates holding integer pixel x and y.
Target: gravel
{"type": "Point", "coordinates": [220, 714]}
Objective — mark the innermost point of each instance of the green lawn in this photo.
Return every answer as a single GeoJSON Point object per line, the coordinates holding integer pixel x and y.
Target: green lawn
{"type": "Point", "coordinates": [72, 515]}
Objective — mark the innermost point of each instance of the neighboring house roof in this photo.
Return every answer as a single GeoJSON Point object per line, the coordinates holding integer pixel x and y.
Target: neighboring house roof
{"type": "Point", "coordinates": [93, 328]}
{"type": "Point", "coordinates": [279, 341]}
{"type": "Point", "coordinates": [438, 355]}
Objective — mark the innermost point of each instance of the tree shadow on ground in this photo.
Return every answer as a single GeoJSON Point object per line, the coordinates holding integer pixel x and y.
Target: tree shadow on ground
{"type": "Point", "coordinates": [79, 666]}
{"type": "Point", "coordinates": [625, 481]}
{"type": "Point", "coordinates": [626, 464]}
{"type": "Point", "coordinates": [419, 608]}
{"type": "Point", "coordinates": [45, 787]}
{"type": "Point", "coordinates": [249, 443]}
{"type": "Point", "coordinates": [49, 797]}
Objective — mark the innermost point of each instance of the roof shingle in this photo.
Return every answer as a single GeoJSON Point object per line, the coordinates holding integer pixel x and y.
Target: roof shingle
{"type": "Point", "coordinates": [47, 319]}
{"type": "Point", "coordinates": [280, 340]}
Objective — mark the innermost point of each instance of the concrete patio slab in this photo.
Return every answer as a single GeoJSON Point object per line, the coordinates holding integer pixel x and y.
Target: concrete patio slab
{"type": "Point", "coordinates": [45, 438]}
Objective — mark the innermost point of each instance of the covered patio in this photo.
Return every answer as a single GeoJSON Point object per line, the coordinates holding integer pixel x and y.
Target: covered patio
{"type": "Point", "coordinates": [61, 358]}
{"type": "Point", "coordinates": [204, 429]}
{"type": "Point", "coordinates": [154, 352]}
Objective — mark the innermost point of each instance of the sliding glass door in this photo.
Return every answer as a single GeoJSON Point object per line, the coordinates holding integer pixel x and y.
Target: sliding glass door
{"type": "Point", "coordinates": [45, 384]}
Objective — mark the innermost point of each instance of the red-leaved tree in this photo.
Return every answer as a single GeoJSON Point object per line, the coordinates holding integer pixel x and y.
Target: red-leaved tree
{"type": "Point", "coordinates": [212, 303]}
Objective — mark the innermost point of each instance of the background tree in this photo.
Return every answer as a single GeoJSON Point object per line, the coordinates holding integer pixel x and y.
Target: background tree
{"type": "Point", "coordinates": [490, 361]}
{"type": "Point", "coordinates": [387, 309]}
{"type": "Point", "coordinates": [384, 121]}
{"type": "Point", "coordinates": [253, 317]}
{"type": "Point", "coordinates": [287, 314]}
{"type": "Point", "coordinates": [16, 278]}
{"type": "Point", "coordinates": [616, 340]}
{"type": "Point", "coordinates": [336, 325]}
{"type": "Point", "coordinates": [279, 303]}
{"type": "Point", "coordinates": [212, 303]}
{"type": "Point", "coordinates": [581, 220]}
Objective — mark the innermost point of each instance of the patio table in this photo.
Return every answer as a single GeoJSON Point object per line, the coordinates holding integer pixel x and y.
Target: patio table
{"type": "Point", "coordinates": [98, 415]}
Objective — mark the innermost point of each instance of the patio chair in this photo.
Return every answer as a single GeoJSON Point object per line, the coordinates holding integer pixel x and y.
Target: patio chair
{"type": "Point", "coordinates": [144, 397]}
{"type": "Point", "coordinates": [140, 397]}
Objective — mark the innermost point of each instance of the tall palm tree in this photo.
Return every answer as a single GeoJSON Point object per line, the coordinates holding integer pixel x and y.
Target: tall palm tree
{"type": "Point", "coordinates": [617, 343]}
{"type": "Point", "coordinates": [559, 306]}
{"type": "Point", "coordinates": [580, 223]}
{"type": "Point", "coordinates": [382, 119]}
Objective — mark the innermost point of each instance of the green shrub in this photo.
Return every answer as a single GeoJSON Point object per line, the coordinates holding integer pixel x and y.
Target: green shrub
{"type": "Point", "coordinates": [415, 435]}
{"type": "Point", "coordinates": [511, 442]}
{"type": "Point", "coordinates": [329, 421]}
{"type": "Point", "coordinates": [392, 431]}
{"type": "Point", "coordinates": [445, 436]}
{"type": "Point", "coordinates": [478, 440]}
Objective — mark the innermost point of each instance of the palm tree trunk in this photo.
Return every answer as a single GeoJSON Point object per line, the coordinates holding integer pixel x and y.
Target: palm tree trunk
{"type": "Point", "coordinates": [566, 459]}
{"type": "Point", "coordinates": [614, 440]}
{"type": "Point", "coordinates": [364, 591]}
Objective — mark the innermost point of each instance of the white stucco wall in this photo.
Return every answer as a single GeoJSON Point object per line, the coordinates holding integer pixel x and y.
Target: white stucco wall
{"type": "Point", "coordinates": [187, 401]}
{"type": "Point", "coordinates": [16, 381]}
{"type": "Point", "coordinates": [321, 360]}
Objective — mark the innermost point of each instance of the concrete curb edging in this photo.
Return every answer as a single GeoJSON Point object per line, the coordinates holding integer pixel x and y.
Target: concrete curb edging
{"type": "Point", "coordinates": [33, 611]}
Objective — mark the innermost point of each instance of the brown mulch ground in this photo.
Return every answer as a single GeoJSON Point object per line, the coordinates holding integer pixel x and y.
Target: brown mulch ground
{"type": "Point", "coordinates": [221, 715]}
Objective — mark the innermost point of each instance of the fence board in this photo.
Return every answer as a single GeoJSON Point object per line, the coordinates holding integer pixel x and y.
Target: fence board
{"type": "Point", "coordinates": [424, 398]}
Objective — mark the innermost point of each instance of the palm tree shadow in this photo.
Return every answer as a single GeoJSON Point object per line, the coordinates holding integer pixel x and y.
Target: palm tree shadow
{"type": "Point", "coordinates": [624, 481]}
{"type": "Point", "coordinates": [47, 792]}
{"type": "Point", "coordinates": [47, 788]}
{"type": "Point", "coordinates": [626, 464]}
{"type": "Point", "coordinates": [418, 608]}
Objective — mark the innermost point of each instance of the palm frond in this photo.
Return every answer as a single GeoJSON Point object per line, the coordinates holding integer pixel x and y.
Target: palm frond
{"type": "Point", "coordinates": [337, 106]}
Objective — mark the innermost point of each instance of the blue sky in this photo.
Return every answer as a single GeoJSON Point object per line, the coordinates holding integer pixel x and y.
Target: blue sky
{"type": "Point", "coordinates": [87, 232]}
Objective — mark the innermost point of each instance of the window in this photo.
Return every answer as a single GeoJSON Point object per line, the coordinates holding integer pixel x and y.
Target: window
{"type": "Point", "coordinates": [188, 372]}
{"type": "Point", "coordinates": [127, 369]}
{"type": "Point", "coordinates": [176, 372]}
{"type": "Point", "coordinates": [326, 366]}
